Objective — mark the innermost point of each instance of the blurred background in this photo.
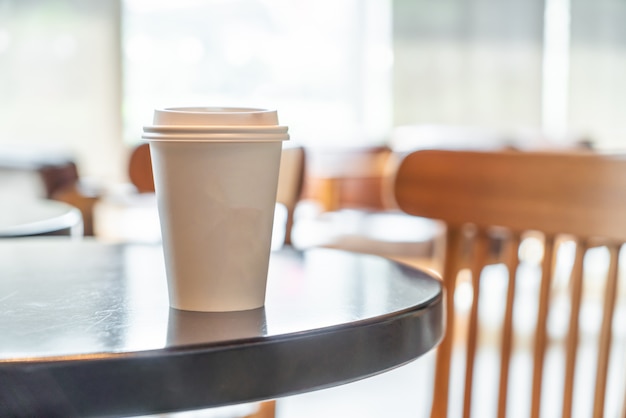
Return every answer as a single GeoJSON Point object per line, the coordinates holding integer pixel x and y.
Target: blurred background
{"type": "Point", "coordinates": [80, 78]}
{"type": "Point", "coordinates": [84, 76]}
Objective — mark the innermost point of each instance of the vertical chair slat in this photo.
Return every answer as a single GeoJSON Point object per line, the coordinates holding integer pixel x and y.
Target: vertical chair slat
{"type": "Point", "coordinates": [571, 345]}
{"type": "Point", "coordinates": [604, 348]}
{"type": "Point", "coordinates": [624, 405]}
{"type": "Point", "coordinates": [454, 242]}
{"type": "Point", "coordinates": [479, 257]}
{"type": "Point", "coordinates": [512, 262]}
{"type": "Point", "coordinates": [541, 328]}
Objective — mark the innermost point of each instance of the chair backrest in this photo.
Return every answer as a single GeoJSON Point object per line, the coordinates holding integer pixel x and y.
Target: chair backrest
{"type": "Point", "coordinates": [580, 197]}
{"type": "Point", "coordinates": [140, 168]}
{"type": "Point", "coordinates": [290, 183]}
{"type": "Point", "coordinates": [348, 178]}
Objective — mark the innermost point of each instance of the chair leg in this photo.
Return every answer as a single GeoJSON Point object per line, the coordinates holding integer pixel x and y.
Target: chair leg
{"type": "Point", "coordinates": [267, 409]}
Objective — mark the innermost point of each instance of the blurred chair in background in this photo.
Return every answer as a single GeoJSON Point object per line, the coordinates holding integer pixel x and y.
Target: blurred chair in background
{"type": "Point", "coordinates": [29, 179]}
{"type": "Point", "coordinates": [290, 186]}
{"type": "Point", "coordinates": [347, 204]}
{"type": "Point", "coordinates": [348, 198]}
{"type": "Point", "coordinates": [518, 317]}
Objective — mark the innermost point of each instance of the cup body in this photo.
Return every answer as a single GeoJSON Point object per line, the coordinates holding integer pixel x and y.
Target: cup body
{"type": "Point", "coordinates": [216, 192]}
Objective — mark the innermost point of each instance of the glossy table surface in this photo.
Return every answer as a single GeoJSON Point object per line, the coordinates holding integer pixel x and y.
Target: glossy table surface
{"type": "Point", "coordinates": [86, 330]}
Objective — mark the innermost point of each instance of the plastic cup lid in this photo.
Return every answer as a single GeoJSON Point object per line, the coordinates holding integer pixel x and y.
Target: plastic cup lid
{"type": "Point", "coordinates": [215, 124]}
{"type": "Point", "coordinates": [211, 116]}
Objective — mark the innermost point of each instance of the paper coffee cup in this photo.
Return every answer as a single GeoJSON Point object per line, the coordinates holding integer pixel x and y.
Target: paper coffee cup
{"type": "Point", "coordinates": [216, 174]}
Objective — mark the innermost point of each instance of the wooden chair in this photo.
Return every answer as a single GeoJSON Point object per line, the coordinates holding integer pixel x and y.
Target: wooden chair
{"type": "Point", "coordinates": [290, 184]}
{"type": "Point", "coordinates": [563, 196]}
{"type": "Point", "coordinates": [348, 208]}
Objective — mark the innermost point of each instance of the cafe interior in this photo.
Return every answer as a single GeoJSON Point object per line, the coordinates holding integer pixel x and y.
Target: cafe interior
{"type": "Point", "coordinates": [479, 141]}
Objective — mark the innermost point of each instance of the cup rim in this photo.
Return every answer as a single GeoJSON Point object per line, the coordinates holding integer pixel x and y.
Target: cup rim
{"type": "Point", "coordinates": [215, 109]}
{"type": "Point", "coordinates": [214, 129]}
{"type": "Point", "coordinates": [215, 137]}
{"type": "Point", "coordinates": [215, 116]}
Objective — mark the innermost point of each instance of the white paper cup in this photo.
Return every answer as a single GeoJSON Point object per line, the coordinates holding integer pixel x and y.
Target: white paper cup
{"type": "Point", "coordinates": [216, 174]}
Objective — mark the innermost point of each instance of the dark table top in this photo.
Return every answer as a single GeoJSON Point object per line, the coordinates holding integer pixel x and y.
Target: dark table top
{"type": "Point", "coordinates": [85, 329]}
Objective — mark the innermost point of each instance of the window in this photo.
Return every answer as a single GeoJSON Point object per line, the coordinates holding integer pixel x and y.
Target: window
{"type": "Point", "coordinates": [87, 74]}
{"type": "Point", "coordinates": [597, 95]}
{"type": "Point", "coordinates": [476, 63]}
{"type": "Point", "coordinates": [325, 65]}
{"type": "Point", "coordinates": [59, 80]}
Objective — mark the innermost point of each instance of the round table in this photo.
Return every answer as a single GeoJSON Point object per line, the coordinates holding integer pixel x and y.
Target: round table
{"type": "Point", "coordinates": [30, 217]}
{"type": "Point", "coordinates": [86, 330]}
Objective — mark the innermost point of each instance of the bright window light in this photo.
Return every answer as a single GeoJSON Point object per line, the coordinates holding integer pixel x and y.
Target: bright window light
{"type": "Point", "coordinates": [325, 65]}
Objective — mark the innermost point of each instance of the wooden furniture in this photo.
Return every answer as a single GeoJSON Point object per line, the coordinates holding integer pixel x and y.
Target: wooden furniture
{"type": "Point", "coordinates": [55, 169]}
{"type": "Point", "coordinates": [140, 168]}
{"type": "Point", "coordinates": [42, 172]}
{"type": "Point", "coordinates": [32, 217]}
{"type": "Point", "coordinates": [349, 206]}
{"type": "Point", "coordinates": [348, 178]}
{"type": "Point", "coordinates": [290, 184]}
{"type": "Point", "coordinates": [562, 196]}
{"type": "Point", "coordinates": [86, 330]}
